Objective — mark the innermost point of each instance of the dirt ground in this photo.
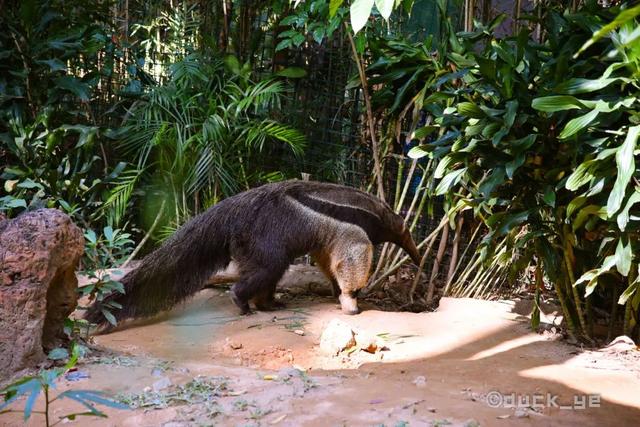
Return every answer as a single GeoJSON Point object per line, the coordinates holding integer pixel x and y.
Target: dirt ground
{"type": "Point", "coordinates": [469, 363]}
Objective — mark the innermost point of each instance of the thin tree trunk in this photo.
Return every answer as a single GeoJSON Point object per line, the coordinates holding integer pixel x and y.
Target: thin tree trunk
{"type": "Point", "coordinates": [367, 100]}
{"type": "Point", "coordinates": [436, 266]}
{"type": "Point", "coordinates": [454, 251]}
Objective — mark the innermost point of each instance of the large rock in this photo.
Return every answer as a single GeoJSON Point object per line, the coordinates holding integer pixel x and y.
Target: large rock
{"type": "Point", "coordinates": [337, 336]}
{"type": "Point", "coordinates": [39, 252]}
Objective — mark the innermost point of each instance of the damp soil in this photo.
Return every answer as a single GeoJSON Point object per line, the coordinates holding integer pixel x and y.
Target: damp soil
{"type": "Point", "coordinates": [468, 363]}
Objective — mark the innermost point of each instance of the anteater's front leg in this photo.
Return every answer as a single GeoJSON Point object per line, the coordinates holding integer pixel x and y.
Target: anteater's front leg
{"type": "Point", "coordinates": [347, 261]}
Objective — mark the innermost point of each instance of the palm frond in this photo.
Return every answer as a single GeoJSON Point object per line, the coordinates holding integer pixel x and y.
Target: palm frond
{"type": "Point", "coordinates": [115, 206]}
{"type": "Point", "coordinates": [259, 132]}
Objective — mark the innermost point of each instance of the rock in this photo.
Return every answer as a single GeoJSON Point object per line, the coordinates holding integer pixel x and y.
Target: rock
{"type": "Point", "coordinates": [161, 384]}
{"type": "Point", "coordinates": [368, 342]}
{"type": "Point", "coordinates": [39, 253]}
{"type": "Point", "coordinates": [621, 344]}
{"type": "Point", "coordinates": [336, 337]}
{"type": "Point", "coordinates": [420, 381]}
{"type": "Point", "coordinates": [233, 345]}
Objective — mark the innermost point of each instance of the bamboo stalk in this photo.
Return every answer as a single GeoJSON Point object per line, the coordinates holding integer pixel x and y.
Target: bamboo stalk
{"type": "Point", "coordinates": [576, 296]}
{"type": "Point", "coordinates": [454, 251]}
{"type": "Point", "coordinates": [565, 309]}
{"type": "Point", "coordinates": [390, 260]}
{"type": "Point", "coordinates": [481, 274]}
{"type": "Point", "coordinates": [442, 247]}
{"type": "Point", "coordinates": [404, 259]}
{"type": "Point", "coordinates": [459, 263]}
{"type": "Point", "coordinates": [407, 183]}
{"type": "Point", "coordinates": [367, 100]}
{"type": "Point", "coordinates": [627, 309]}
{"type": "Point", "coordinates": [458, 287]}
{"type": "Point", "coordinates": [614, 313]}
{"type": "Point", "coordinates": [423, 260]}
{"type": "Point", "coordinates": [626, 329]}
{"type": "Point", "coordinates": [398, 180]}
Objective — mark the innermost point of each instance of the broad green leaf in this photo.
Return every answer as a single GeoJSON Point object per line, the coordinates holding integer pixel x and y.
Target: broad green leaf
{"type": "Point", "coordinates": [623, 17]}
{"type": "Point", "coordinates": [576, 125]}
{"type": "Point", "coordinates": [424, 131]}
{"type": "Point", "coordinates": [624, 255]}
{"type": "Point", "coordinates": [580, 85]}
{"type": "Point", "coordinates": [86, 396]}
{"type": "Point", "coordinates": [442, 167]}
{"type": "Point", "coordinates": [626, 166]}
{"type": "Point", "coordinates": [298, 39]}
{"type": "Point", "coordinates": [33, 388]}
{"type": "Point", "coordinates": [292, 72]}
{"type": "Point", "coordinates": [334, 5]}
{"type": "Point", "coordinates": [510, 221]}
{"type": "Point", "coordinates": [417, 152]}
{"type": "Point", "coordinates": [582, 175]}
{"type": "Point", "coordinates": [360, 11]}
{"type": "Point", "coordinates": [29, 183]}
{"type": "Point", "coordinates": [73, 85]}
{"type": "Point", "coordinates": [489, 183]}
{"type": "Point", "coordinates": [469, 109]}
{"type": "Point", "coordinates": [623, 216]}
{"type": "Point", "coordinates": [450, 180]}
{"type": "Point", "coordinates": [575, 204]}
{"type": "Point", "coordinates": [551, 104]}
{"type": "Point", "coordinates": [631, 289]}
{"type": "Point", "coordinates": [498, 136]}
{"type": "Point", "coordinates": [514, 164]}
{"type": "Point", "coordinates": [108, 232]}
{"type": "Point", "coordinates": [284, 44]}
{"type": "Point", "coordinates": [54, 64]}
{"type": "Point", "coordinates": [510, 114]}
{"type": "Point", "coordinates": [591, 286]}
{"type": "Point", "coordinates": [110, 317]}
{"type": "Point", "coordinates": [588, 276]}
{"type": "Point", "coordinates": [9, 202]}
{"type": "Point", "coordinates": [587, 211]}
{"type": "Point", "coordinates": [385, 7]}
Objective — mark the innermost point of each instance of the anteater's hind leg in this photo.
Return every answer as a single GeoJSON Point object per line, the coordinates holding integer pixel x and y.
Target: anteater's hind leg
{"type": "Point", "coordinates": [257, 282]}
{"type": "Point", "coordinates": [350, 264]}
{"type": "Point", "coordinates": [265, 299]}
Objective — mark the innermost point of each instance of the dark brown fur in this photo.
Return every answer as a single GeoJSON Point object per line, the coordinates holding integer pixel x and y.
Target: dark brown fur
{"type": "Point", "coordinates": [263, 230]}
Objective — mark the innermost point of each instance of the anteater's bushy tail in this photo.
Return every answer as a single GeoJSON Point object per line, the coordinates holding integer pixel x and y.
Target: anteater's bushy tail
{"type": "Point", "coordinates": [173, 272]}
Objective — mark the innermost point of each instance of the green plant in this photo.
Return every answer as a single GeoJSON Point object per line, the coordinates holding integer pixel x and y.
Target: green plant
{"type": "Point", "coordinates": [53, 167]}
{"type": "Point", "coordinates": [54, 56]}
{"type": "Point", "coordinates": [200, 137]}
{"type": "Point", "coordinates": [102, 252]}
{"type": "Point", "coordinates": [32, 386]}
{"type": "Point", "coordinates": [200, 390]}
{"type": "Point", "coordinates": [541, 145]}
{"type": "Point", "coordinates": [314, 19]}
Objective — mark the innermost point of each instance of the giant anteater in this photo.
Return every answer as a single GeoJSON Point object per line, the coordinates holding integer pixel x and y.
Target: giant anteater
{"type": "Point", "coordinates": [262, 230]}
